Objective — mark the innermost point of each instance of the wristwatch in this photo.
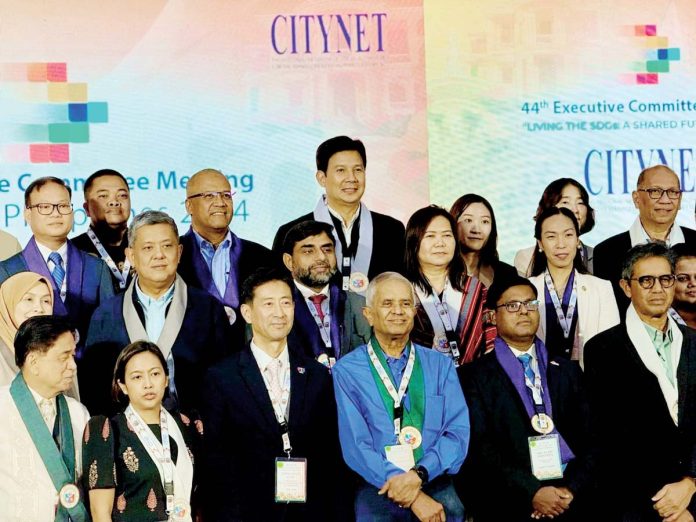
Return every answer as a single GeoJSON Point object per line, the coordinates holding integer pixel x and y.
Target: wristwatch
{"type": "Point", "coordinates": [421, 472]}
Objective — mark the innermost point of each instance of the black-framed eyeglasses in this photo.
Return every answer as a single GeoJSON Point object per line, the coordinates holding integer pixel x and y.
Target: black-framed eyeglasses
{"type": "Point", "coordinates": [656, 193]}
{"type": "Point", "coordinates": [514, 306]}
{"type": "Point", "coordinates": [648, 281]}
{"type": "Point", "coordinates": [46, 209]}
{"type": "Point", "coordinates": [209, 197]}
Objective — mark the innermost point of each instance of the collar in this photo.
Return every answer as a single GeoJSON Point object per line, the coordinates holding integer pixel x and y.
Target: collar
{"type": "Point", "coordinates": [38, 397]}
{"type": "Point", "coordinates": [351, 221]}
{"type": "Point", "coordinates": [147, 301]}
{"type": "Point", "coordinates": [658, 336]}
{"type": "Point", "coordinates": [203, 242]}
{"type": "Point", "coordinates": [308, 292]}
{"type": "Point", "coordinates": [640, 236]}
{"type": "Point", "coordinates": [62, 251]}
{"type": "Point", "coordinates": [531, 351]}
{"type": "Point", "coordinates": [263, 359]}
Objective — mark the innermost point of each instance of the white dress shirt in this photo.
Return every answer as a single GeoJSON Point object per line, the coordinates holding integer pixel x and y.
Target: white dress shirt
{"type": "Point", "coordinates": [639, 236]}
{"type": "Point", "coordinates": [347, 227]}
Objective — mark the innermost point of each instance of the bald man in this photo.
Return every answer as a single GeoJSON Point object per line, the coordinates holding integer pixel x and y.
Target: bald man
{"type": "Point", "coordinates": [214, 258]}
{"type": "Point", "coordinates": [657, 198]}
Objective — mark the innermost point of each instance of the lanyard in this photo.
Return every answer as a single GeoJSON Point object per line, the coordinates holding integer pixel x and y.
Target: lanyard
{"type": "Point", "coordinates": [566, 320]}
{"type": "Point", "coordinates": [121, 276]}
{"type": "Point", "coordinates": [438, 311]}
{"type": "Point", "coordinates": [280, 405]}
{"type": "Point", "coordinates": [325, 325]}
{"type": "Point", "coordinates": [161, 450]}
{"type": "Point", "coordinates": [397, 396]}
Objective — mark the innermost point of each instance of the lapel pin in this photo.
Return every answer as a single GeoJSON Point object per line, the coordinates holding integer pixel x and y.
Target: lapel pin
{"type": "Point", "coordinates": [300, 370]}
{"type": "Point", "coordinates": [555, 363]}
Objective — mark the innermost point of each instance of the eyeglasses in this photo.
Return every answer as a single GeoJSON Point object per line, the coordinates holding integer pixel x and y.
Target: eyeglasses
{"type": "Point", "coordinates": [647, 282]}
{"type": "Point", "coordinates": [656, 193]}
{"type": "Point", "coordinates": [685, 278]}
{"type": "Point", "coordinates": [209, 197]}
{"type": "Point", "coordinates": [514, 306]}
{"type": "Point", "coordinates": [46, 209]}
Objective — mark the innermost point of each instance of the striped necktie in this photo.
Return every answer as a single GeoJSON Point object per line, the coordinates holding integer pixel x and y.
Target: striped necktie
{"type": "Point", "coordinates": [526, 361]}
{"type": "Point", "coordinates": [58, 272]}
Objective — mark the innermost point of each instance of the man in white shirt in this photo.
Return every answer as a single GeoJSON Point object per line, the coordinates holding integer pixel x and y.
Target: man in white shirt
{"type": "Point", "coordinates": [265, 404]}
{"type": "Point", "coordinates": [328, 320]}
{"type": "Point", "coordinates": [80, 281]}
{"type": "Point", "coordinates": [658, 198]}
{"type": "Point", "coordinates": [40, 442]}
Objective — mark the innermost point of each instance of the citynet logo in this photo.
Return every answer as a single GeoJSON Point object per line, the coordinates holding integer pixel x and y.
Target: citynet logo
{"type": "Point", "coordinates": [45, 113]}
{"type": "Point", "coordinates": [657, 56]}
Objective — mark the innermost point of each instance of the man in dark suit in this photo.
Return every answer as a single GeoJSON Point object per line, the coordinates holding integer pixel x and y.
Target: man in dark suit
{"type": "Point", "coordinates": [187, 324]}
{"type": "Point", "coordinates": [107, 204]}
{"type": "Point", "coordinates": [516, 394]}
{"type": "Point", "coordinates": [80, 281]}
{"type": "Point", "coordinates": [267, 403]}
{"type": "Point", "coordinates": [214, 258]}
{"type": "Point", "coordinates": [328, 322]}
{"type": "Point", "coordinates": [641, 380]}
{"type": "Point", "coordinates": [657, 198]}
{"type": "Point", "coordinates": [367, 243]}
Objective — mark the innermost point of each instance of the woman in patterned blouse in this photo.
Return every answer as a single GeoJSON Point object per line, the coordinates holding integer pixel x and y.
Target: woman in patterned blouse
{"type": "Point", "coordinates": [132, 459]}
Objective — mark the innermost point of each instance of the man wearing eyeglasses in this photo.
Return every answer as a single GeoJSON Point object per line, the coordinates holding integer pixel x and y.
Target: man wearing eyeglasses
{"type": "Point", "coordinates": [657, 198]}
{"type": "Point", "coordinates": [80, 281]}
{"type": "Point", "coordinates": [214, 258]}
{"type": "Point", "coordinates": [642, 395]}
{"type": "Point", "coordinates": [529, 422]}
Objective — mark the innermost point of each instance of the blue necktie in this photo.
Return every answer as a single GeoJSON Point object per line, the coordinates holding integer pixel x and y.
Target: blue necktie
{"type": "Point", "coordinates": [58, 272]}
{"type": "Point", "coordinates": [526, 361]}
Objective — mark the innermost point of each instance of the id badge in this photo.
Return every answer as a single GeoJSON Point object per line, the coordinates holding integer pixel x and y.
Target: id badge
{"type": "Point", "coordinates": [545, 454]}
{"type": "Point", "coordinates": [290, 480]}
{"type": "Point", "coordinates": [401, 455]}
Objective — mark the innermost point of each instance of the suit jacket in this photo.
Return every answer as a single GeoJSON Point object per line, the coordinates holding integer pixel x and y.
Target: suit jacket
{"type": "Point", "coordinates": [496, 482]}
{"type": "Point", "coordinates": [347, 306]}
{"type": "Point", "coordinates": [252, 257]}
{"type": "Point", "coordinates": [609, 257]}
{"type": "Point", "coordinates": [388, 242]}
{"type": "Point", "coordinates": [243, 439]}
{"type": "Point", "coordinates": [639, 448]}
{"type": "Point", "coordinates": [203, 339]}
{"type": "Point", "coordinates": [596, 306]}
{"type": "Point", "coordinates": [118, 254]}
{"type": "Point", "coordinates": [85, 292]}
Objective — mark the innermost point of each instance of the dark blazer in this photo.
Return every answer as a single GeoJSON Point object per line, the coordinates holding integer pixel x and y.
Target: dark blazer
{"type": "Point", "coordinates": [388, 242]}
{"type": "Point", "coordinates": [203, 339]}
{"type": "Point", "coordinates": [253, 256]}
{"type": "Point", "coordinates": [243, 439]}
{"type": "Point", "coordinates": [609, 256]}
{"type": "Point", "coordinates": [354, 328]}
{"type": "Point", "coordinates": [83, 296]}
{"type": "Point", "coordinates": [117, 253]}
{"type": "Point", "coordinates": [639, 449]}
{"type": "Point", "coordinates": [496, 482]}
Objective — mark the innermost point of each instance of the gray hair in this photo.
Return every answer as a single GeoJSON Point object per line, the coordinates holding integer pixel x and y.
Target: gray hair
{"type": "Point", "coordinates": [150, 217]}
{"type": "Point", "coordinates": [381, 278]}
{"type": "Point", "coordinates": [639, 252]}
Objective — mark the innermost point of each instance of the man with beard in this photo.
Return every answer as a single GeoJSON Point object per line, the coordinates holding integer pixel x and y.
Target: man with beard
{"type": "Point", "coordinates": [108, 205]}
{"type": "Point", "coordinates": [328, 321]}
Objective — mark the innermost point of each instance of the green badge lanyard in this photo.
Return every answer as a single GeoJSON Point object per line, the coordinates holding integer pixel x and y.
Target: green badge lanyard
{"type": "Point", "coordinates": [59, 464]}
{"type": "Point", "coordinates": [416, 392]}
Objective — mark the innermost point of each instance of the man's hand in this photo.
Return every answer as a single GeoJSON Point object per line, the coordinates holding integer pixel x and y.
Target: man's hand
{"type": "Point", "coordinates": [672, 500]}
{"type": "Point", "coordinates": [685, 517]}
{"type": "Point", "coordinates": [427, 510]}
{"type": "Point", "coordinates": [550, 502]}
{"type": "Point", "coordinates": [403, 488]}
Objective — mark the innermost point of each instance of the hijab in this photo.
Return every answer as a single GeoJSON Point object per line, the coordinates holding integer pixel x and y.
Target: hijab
{"type": "Point", "coordinates": [11, 293]}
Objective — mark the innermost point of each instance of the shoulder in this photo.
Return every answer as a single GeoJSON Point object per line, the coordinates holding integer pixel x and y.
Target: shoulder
{"type": "Point", "coordinates": [114, 303]}
{"type": "Point", "coordinates": [612, 242]}
{"type": "Point", "coordinates": [225, 367]}
{"type": "Point", "coordinates": [479, 370]}
{"type": "Point", "coordinates": [386, 221]}
{"type": "Point", "coordinates": [689, 233]}
{"type": "Point", "coordinates": [352, 362]}
{"type": "Point", "coordinates": [78, 411]}
{"type": "Point", "coordinates": [199, 296]}
{"type": "Point", "coordinates": [594, 282]}
{"type": "Point", "coordinates": [81, 242]}
{"type": "Point", "coordinates": [538, 281]}
{"type": "Point", "coordinates": [251, 247]}
{"type": "Point", "coordinates": [605, 342]}
{"type": "Point", "coordinates": [14, 264]}
{"type": "Point", "coordinates": [356, 301]}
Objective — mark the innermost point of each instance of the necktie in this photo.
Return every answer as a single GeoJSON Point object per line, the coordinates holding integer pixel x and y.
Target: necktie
{"type": "Point", "coordinates": [48, 412]}
{"type": "Point", "coordinates": [526, 361]}
{"type": "Point", "coordinates": [316, 301]}
{"type": "Point", "coordinates": [272, 372]}
{"type": "Point", "coordinates": [58, 272]}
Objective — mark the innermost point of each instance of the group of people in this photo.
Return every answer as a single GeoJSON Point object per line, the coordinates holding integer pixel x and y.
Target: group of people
{"type": "Point", "coordinates": [358, 370]}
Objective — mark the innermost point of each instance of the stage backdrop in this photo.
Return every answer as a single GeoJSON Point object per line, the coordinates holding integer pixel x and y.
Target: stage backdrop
{"type": "Point", "coordinates": [495, 97]}
{"type": "Point", "coordinates": [161, 89]}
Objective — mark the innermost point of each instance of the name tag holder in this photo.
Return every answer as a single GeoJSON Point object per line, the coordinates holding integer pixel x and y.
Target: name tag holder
{"type": "Point", "coordinates": [290, 473]}
{"type": "Point", "coordinates": [545, 456]}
